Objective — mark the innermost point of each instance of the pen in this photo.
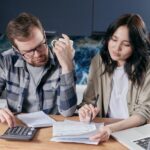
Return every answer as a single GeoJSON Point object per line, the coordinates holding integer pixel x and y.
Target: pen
{"type": "Point", "coordinates": [95, 102]}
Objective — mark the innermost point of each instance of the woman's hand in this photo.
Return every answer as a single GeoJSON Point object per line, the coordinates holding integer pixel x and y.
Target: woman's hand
{"type": "Point", "coordinates": [103, 135]}
{"type": "Point", "coordinates": [86, 111]}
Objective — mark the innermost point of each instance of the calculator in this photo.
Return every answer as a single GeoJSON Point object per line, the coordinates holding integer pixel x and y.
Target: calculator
{"type": "Point", "coordinates": [19, 133]}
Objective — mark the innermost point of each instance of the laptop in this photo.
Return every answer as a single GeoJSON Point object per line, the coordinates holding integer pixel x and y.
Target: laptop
{"type": "Point", "coordinates": [137, 138]}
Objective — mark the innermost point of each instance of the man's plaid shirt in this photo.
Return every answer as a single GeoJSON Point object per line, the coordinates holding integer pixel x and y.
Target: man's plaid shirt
{"type": "Point", "coordinates": [56, 92]}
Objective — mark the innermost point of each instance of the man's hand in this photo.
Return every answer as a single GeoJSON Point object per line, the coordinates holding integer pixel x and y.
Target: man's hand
{"type": "Point", "coordinates": [86, 111]}
{"type": "Point", "coordinates": [103, 135]}
{"type": "Point", "coordinates": [6, 116]}
{"type": "Point", "coordinates": [64, 52]}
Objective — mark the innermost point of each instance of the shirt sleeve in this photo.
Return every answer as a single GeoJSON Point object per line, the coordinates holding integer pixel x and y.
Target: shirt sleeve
{"type": "Point", "coordinates": [142, 104]}
{"type": "Point", "coordinates": [90, 92]}
{"type": "Point", "coordinates": [2, 76]}
{"type": "Point", "coordinates": [68, 98]}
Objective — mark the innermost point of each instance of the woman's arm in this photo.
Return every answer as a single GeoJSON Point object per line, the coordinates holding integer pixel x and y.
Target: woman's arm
{"type": "Point", "coordinates": [133, 121]}
{"type": "Point", "coordinates": [104, 133]}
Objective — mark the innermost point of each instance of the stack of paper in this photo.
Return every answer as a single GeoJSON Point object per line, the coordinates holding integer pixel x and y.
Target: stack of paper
{"type": "Point", "coordinates": [74, 131]}
{"type": "Point", "coordinates": [36, 119]}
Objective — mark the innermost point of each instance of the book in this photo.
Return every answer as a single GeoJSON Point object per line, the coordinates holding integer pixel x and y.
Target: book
{"type": "Point", "coordinates": [36, 119]}
{"type": "Point", "coordinates": [75, 131]}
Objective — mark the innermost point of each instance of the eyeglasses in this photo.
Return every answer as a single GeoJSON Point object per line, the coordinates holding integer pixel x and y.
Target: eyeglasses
{"type": "Point", "coordinates": [30, 53]}
{"type": "Point", "coordinates": [39, 49]}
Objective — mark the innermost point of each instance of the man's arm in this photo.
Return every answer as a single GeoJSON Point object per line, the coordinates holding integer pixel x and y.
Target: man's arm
{"type": "Point", "coordinates": [2, 75]}
{"type": "Point", "coordinates": [6, 116]}
{"type": "Point", "coordinates": [64, 52]}
{"type": "Point", "coordinates": [68, 98]}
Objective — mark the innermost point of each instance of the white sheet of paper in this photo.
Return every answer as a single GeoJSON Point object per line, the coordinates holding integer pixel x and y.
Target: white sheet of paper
{"type": "Point", "coordinates": [75, 131]}
{"type": "Point", "coordinates": [72, 128]}
{"type": "Point", "coordinates": [36, 119]}
{"type": "Point", "coordinates": [74, 140]}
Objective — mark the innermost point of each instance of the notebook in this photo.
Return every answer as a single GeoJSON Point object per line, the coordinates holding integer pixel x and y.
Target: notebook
{"type": "Point", "coordinates": [134, 138]}
{"type": "Point", "coordinates": [74, 131]}
{"type": "Point", "coordinates": [36, 119]}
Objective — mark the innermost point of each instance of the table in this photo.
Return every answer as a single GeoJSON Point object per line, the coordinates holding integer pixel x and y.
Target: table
{"type": "Point", "coordinates": [41, 140]}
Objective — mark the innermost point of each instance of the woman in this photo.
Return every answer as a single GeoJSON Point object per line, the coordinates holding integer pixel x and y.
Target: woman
{"type": "Point", "coordinates": [119, 78]}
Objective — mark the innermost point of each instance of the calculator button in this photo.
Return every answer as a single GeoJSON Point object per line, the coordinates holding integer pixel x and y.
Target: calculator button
{"type": "Point", "coordinates": [29, 133]}
{"type": "Point", "coordinates": [19, 129]}
{"type": "Point", "coordinates": [8, 130]}
{"type": "Point", "coordinates": [32, 129]}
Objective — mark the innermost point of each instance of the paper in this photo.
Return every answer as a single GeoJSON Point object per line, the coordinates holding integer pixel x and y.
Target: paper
{"type": "Point", "coordinates": [36, 119]}
{"type": "Point", "coordinates": [74, 131]}
{"type": "Point", "coordinates": [74, 140]}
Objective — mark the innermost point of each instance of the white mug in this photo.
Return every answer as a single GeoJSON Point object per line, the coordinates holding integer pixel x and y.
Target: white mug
{"type": "Point", "coordinates": [63, 40]}
{"type": "Point", "coordinates": [60, 39]}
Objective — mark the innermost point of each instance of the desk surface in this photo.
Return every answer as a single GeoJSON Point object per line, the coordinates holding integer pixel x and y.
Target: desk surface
{"type": "Point", "coordinates": [41, 140]}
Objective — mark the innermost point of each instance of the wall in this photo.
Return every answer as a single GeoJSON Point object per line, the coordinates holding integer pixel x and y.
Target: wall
{"type": "Point", "coordinates": [73, 17]}
{"type": "Point", "coordinates": [105, 11]}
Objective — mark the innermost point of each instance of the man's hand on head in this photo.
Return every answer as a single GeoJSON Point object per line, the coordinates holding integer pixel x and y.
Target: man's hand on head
{"type": "Point", "coordinates": [64, 51]}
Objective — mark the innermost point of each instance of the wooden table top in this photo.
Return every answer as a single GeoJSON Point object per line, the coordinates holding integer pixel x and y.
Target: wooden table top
{"type": "Point", "coordinates": [41, 141]}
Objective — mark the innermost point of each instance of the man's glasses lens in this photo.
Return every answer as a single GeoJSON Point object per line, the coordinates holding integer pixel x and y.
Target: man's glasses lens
{"type": "Point", "coordinates": [39, 49]}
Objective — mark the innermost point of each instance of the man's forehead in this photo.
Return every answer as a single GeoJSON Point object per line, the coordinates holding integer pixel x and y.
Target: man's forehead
{"type": "Point", "coordinates": [30, 42]}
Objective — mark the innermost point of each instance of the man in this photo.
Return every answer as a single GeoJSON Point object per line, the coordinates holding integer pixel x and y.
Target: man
{"type": "Point", "coordinates": [36, 77]}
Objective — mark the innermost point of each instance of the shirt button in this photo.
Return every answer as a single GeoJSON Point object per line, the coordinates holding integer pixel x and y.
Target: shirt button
{"type": "Point", "coordinates": [19, 106]}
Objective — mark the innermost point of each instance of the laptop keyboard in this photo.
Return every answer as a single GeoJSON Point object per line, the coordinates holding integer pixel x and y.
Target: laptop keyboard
{"type": "Point", "coordinates": [144, 143]}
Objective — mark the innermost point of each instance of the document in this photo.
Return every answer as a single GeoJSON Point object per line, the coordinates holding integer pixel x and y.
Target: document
{"type": "Point", "coordinates": [36, 119]}
{"type": "Point", "coordinates": [74, 131]}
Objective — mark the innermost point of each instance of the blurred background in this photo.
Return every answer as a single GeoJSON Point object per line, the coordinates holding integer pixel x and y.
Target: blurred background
{"type": "Point", "coordinates": [85, 21]}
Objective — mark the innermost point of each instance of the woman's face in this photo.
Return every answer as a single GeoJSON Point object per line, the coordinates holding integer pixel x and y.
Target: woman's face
{"type": "Point", "coordinates": [119, 45]}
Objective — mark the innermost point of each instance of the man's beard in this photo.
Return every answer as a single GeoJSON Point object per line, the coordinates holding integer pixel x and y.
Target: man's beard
{"type": "Point", "coordinates": [38, 62]}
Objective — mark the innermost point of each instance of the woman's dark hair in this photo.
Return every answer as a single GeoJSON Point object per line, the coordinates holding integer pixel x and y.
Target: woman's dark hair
{"type": "Point", "coordinates": [136, 64]}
